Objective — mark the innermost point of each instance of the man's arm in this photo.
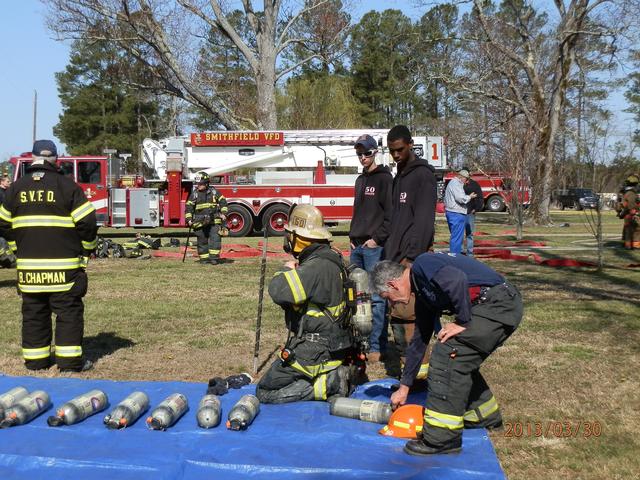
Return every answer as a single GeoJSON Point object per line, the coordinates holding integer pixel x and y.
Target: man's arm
{"type": "Point", "coordinates": [382, 234]}
{"type": "Point", "coordinates": [83, 214]}
{"type": "Point", "coordinates": [6, 219]}
{"type": "Point", "coordinates": [421, 233]}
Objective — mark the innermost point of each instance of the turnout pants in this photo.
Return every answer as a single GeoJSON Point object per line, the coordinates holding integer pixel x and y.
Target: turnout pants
{"type": "Point", "coordinates": [311, 376]}
{"type": "Point", "coordinates": [458, 395]}
{"type": "Point", "coordinates": [209, 242]}
{"type": "Point", "coordinates": [37, 332]}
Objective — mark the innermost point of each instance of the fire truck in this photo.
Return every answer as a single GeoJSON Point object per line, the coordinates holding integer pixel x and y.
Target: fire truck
{"type": "Point", "coordinates": [261, 173]}
{"type": "Point", "coordinates": [497, 189]}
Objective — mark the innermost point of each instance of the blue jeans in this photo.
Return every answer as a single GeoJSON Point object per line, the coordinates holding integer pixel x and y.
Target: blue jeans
{"type": "Point", "coordinates": [456, 223]}
{"type": "Point", "coordinates": [366, 258]}
{"type": "Point", "coordinates": [469, 228]}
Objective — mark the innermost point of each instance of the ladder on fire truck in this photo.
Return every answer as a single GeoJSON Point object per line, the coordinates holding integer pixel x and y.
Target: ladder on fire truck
{"type": "Point", "coordinates": [297, 149]}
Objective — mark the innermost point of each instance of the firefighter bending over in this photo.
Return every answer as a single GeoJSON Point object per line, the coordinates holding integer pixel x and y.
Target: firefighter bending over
{"type": "Point", "coordinates": [487, 311]}
{"type": "Point", "coordinates": [46, 216]}
{"type": "Point", "coordinates": [206, 212]}
{"type": "Point", "coordinates": [311, 291]}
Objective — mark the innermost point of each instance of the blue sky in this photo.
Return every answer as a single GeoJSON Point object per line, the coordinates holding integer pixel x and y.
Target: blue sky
{"type": "Point", "coordinates": [30, 57]}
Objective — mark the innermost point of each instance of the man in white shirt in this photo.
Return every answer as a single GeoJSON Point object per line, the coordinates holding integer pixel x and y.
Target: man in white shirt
{"type": "Point", "coordinates": [455, 205]}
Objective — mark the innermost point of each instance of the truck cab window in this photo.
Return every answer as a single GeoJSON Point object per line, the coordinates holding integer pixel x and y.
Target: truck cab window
{"type": "Point", "coordinates": [67, 169]}
{"type": "Point", "coordinates": [89, 172]}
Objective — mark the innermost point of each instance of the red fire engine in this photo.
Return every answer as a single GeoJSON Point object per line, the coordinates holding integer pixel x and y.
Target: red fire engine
{"type": "Point", "coordinates": [497, 190]}
{"type": "Point", "coordinates": [260, 173]}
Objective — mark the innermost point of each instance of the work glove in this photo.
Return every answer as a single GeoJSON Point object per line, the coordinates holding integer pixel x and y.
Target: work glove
{"type": "Point", "coordinates": [217, 386]}
{"type": "Point", "coordinates": [238, 381]}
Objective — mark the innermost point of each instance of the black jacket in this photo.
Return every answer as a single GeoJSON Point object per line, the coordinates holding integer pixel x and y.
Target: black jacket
{"type": "Point", "coordinates": [413, 212]}
{"type": "Point", "coordinates": [53, 226]}
{"type": "Point", "coordinates": [475, 204]}
{"type": "Point", "coordinates": [372, 206]}
{"type": "Point", "coordinates": [206, 206]}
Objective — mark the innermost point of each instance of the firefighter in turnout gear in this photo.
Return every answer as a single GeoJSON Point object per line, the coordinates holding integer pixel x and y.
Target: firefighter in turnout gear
{"type": "Point", "coordinates": [47, 217]}
{"type": "Point", "coordinates": [206, 212]}
{"type": "Point", "coordinates": [629, 210]}
{"type": "Point", "coordinates": [311, 292]}
{"type": "Point", "coordinates": [487, 311]}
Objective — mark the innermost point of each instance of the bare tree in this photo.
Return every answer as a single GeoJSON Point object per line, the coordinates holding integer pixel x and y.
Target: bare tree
{"type": "Point", "coordinates": [166, 37]}
{"type": "Point", "coordinates": [524, 59]}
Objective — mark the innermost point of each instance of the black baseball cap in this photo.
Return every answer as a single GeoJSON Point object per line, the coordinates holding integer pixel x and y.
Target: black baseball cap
{"type": "Point", "coordinates": [44, 148]}
{"type": "Point", "coordinates": [367, 142]}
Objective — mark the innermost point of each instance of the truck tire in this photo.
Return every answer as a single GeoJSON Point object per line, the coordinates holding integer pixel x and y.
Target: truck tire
{"type": "Point", "coordinates": [495, 203]}
{"type": "Point", "coordinates": [239, 221]}
{"type": "Point", "coordinates": [274, 218]}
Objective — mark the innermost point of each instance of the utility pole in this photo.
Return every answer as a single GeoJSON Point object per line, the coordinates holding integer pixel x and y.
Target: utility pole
{"type": "Point", "coordinates": [35, 114]}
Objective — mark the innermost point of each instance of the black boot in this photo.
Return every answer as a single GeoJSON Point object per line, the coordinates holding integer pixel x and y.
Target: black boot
{"type": "Point", "coordinates": [420, 447]}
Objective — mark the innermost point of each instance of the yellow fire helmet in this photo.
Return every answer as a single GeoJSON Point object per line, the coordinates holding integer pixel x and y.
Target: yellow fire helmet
{"type": "Point", "coordinates": [307, 221]}
{"type": "Point", "coordinates": [633, 179]}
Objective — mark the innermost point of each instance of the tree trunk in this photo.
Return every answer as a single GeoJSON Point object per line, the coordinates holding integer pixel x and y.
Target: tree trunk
{"type": "Point", "coordinates": [266, 91]}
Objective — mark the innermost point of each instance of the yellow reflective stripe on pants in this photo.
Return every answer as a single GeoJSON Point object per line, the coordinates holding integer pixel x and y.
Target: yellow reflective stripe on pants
{"type": "Point", "coordinates": [423, 372]}
{"type": "Point", "coordinates": [12, 245]}
{"type": "Point", "coordinates": [442, 420]}
{"type": "Point", "coordinates": [90, 245]}
{"type": "Point", "coordinates": [82, 211]}
{"type": "Point", "coordinates": [320, 387]}
{"type": "Point", "coordinates": [64, 287]}
{"type": "Point", "coordinates": [42, 221]}
{"type": "Point", "coordinates": [48, 263]}
{"type": "Point", "coordinates": [313, 371]}
{"type": "Point", "coordinates": [214, 252]}
{"type": "Point", "coordinates": [485, 409]}
{"type": "Point", "coordinates": [36, 353]}
{"type": "Point", "coordinates": [5, 214]}
{"type": "Point", "coordinates": [297, 290]}
{"type": "Point", "coordinates": [68, 351]}
{"type": "Point", "coordinates": [203, 255]}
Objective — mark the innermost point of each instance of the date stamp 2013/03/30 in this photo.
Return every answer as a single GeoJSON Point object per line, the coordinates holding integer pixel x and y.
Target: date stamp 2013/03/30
{"type": "Point", "coordinates": [553, 429]}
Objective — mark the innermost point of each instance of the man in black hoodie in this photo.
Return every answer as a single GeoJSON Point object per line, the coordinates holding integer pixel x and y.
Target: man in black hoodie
{"type": "Point", "coordinates": [412, 223]}
{"type": "Point", "coordinates": [370, 229]}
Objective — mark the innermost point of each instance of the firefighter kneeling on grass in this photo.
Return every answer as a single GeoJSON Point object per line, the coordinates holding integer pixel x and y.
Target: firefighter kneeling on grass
{"type": "Point", "coordinates": [206, 212]}
{"type": "Point", "coordinates": [311, 292]}
{"type": "Point", "coordinates": [487, 311]}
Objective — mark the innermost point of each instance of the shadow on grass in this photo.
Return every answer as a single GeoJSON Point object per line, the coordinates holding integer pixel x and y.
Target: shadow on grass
{"type": "Point", "coordinates": [8, 283]}
{"type": "Point", "coordinates": [103, 344]}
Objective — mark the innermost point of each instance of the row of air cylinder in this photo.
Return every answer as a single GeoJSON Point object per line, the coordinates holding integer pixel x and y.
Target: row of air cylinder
{"type": "Point", "coordinates": [18, 406]}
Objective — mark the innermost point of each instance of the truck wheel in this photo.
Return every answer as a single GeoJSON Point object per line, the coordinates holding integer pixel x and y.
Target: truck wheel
{"type": "Point", "coordinates": [274, 219]}
{"type": "Point", "coordinates": [239, 221]}
{"type": "Point", "coordinates": [495, 203]}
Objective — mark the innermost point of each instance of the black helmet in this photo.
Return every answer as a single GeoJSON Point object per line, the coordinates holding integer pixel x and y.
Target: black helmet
{"type": "Point", "coordinates": [203, 178]}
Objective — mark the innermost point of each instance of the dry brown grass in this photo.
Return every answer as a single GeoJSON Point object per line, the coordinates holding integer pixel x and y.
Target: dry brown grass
{"type": "Point", "coordinates": [575, 357]}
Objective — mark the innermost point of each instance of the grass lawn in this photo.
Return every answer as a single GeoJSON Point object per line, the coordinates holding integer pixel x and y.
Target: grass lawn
{"type": "Point", "coordinates": [567, 381]}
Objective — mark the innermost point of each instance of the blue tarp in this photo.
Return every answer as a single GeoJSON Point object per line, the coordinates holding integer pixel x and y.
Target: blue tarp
{"type": "Point", "coordinates": [290, 441]}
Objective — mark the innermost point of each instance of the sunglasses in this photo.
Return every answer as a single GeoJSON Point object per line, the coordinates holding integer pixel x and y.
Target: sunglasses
{"type": "Point", "coordinates": [365, 154]}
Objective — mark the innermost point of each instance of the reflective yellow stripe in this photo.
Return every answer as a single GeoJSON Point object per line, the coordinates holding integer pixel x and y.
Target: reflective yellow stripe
{"type": "Point", "coordinates": [82, 211]}
{"type": "Point", "coordinates": [401, 424]}
{"type": "Point", "coordinates": [68, 351]}
{"type": "Point", "coordinates": [320, 387]}
{"type": "Point", "coordinates": [12, 245]}
{"type": "Point", "coordinates": [203, 255]}
{"type": "Point", "coordinates": [36, 353]}
{"type": "Point", "coordinates": [5, 214]}
{"type": "Point", "coordinates": [316, 311]}
{"type": "Point", "coordinates": [214, 252]}
{"type": "Point", "coordinates": [43, 221]}
{"type": "Point", "coordinates": [488, 407]}
{"type": "Point", "coordinates": [64, 287]}
{"type": "Point", "coordinates": [442, 420]}
{"type": "Point", "coordinates": [313, 371]}
{"type": "Point", "coordinates": [90, 245]}
{"type": "Point", "coordinates": [471, 416]}
{"type": "Point", "coordinates": [48, 263]}
{"type": "Point", "coordinates": [423, 372]}
{"type": "Point", "coordinates": [297, 290]}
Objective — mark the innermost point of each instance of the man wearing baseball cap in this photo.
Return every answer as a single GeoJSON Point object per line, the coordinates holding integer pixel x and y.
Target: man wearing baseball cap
{"type": "Point", "coordinates": [455, 206]}
{"type": "Point", "coordinates": [48, 219]}
{"type": "Point", "coordinates": [370, 229]}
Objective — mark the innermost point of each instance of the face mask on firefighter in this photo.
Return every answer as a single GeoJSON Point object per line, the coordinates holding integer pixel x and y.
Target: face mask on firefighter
{"type": "Point", "coordinates": [294, 244]}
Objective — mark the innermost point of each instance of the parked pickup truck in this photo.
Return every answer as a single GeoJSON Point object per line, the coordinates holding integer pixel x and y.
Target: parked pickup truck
{"type": "Point", "coordinates": [578, 198]}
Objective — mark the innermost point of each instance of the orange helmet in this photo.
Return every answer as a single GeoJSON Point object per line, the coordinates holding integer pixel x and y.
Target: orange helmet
{"type": "Point", "coordinates": [405, 422]}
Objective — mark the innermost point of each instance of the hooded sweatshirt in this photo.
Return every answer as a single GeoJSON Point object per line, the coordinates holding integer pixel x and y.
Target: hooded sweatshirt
{"type": "Point", "coordinates": [372, 206]}
{"type": "Point", "coordinates": [413, 211]}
